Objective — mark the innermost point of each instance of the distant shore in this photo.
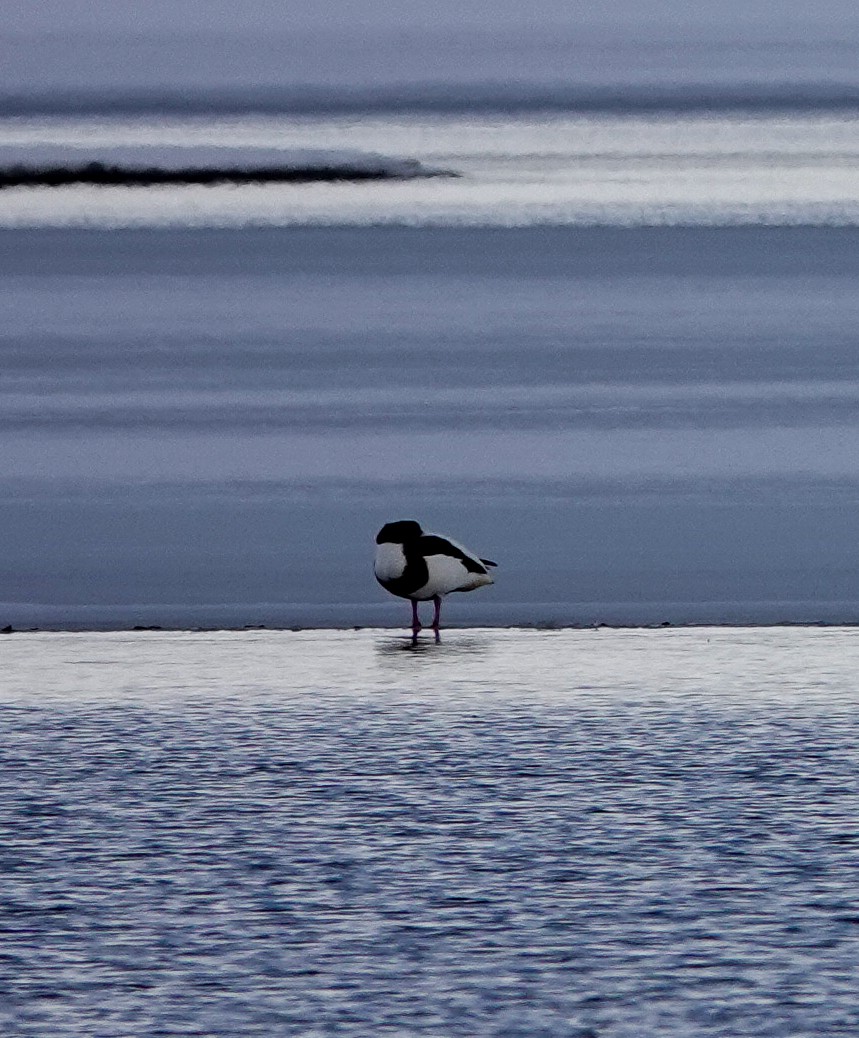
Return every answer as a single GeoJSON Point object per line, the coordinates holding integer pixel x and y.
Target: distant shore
{"type": "Point", "coordinates": [111, 175]}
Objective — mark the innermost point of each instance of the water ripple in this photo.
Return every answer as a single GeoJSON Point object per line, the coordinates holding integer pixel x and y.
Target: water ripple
{"type": "Point", "coordinates": [532, 833]}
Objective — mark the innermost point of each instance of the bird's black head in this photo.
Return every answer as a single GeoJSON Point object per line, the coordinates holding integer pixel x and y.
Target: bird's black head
{"type": "Point", "coordinates": [399, 532]}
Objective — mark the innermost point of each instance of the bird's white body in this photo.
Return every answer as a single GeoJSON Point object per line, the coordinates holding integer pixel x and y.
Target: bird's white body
{"type": "Point", "coordinates": [420, 566]}
{"type": "Point", "coordinates": [390, 562]}
{"type": "Point", "coordinates": [447, 574]}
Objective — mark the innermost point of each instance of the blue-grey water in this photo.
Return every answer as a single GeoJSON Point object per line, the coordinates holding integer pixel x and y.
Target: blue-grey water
{"type": "Point", "coordinates": [616, 353]}
{"type": "Point", "coordinates": [208, 426]}
{"type": "Point", "coordinates": [591, 833]}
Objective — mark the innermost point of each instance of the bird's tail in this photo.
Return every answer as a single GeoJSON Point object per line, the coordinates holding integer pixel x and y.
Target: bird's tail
{"type": "Point", "coordinates": [476, 580]}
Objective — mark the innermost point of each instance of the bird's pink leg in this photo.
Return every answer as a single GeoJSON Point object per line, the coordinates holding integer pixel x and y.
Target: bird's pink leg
{"type": "Point", "coordinates": [436, 619]}
{"type": "Point", "coordinates": [416, 623]}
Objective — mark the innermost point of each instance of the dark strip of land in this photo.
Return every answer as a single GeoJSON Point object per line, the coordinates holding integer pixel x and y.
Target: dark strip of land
{"type": "Point", "coordinates": [109, 175]}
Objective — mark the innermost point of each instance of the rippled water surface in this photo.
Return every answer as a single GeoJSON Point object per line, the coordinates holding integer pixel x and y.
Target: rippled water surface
{"type": "Point", "coordinates": [565, 833]}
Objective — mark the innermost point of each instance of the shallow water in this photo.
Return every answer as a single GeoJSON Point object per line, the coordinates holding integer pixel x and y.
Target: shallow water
{"type": "Point", "coordinates": [613, 833]}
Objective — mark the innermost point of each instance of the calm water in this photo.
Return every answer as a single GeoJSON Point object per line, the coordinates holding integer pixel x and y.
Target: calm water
{"type": "Point", "coordinates": [612, 833]}
{"type": "Point", "coordinates": [616, 353]}
{"type": "Point", "coordinates": [207, 427]}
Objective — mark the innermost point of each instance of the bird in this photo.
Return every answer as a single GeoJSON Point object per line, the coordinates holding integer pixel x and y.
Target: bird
{"type": "Point", "coordinates": [425, 566]}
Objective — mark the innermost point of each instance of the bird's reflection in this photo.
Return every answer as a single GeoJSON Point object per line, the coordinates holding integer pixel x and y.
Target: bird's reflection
{"type": "Point", "coordinates": [446, 646]}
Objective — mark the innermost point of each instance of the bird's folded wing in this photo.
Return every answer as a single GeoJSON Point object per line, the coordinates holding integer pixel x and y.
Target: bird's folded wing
{"type": "Point", "coordinates": [430, 544]}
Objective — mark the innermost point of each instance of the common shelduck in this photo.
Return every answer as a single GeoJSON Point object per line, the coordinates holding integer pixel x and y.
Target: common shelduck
{"type": "Point", "coordinates": [422, 566]}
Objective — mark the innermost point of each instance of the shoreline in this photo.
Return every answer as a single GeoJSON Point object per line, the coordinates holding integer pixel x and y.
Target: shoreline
{"type": "Point", "coordinates": [542, 628]}
{"type": "Point", "coordinates": [18, 617]}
